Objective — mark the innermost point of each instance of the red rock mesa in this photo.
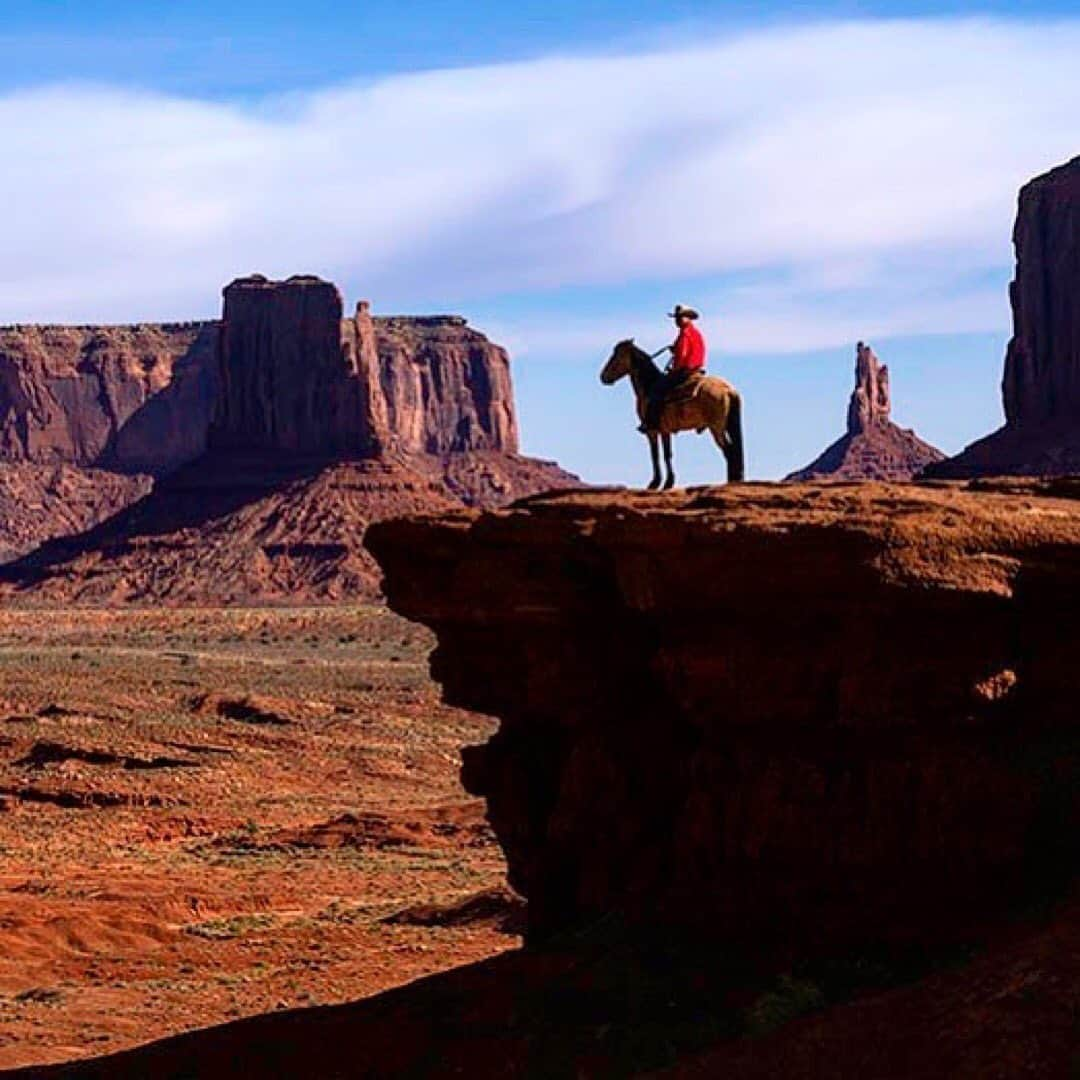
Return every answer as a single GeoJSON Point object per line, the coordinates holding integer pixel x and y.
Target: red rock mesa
{"type": "Point", "coordinates": [1041, 385]}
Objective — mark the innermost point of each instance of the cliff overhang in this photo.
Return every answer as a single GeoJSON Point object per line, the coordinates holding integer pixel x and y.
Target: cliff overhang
{"type": "Point", "coordinates": [787, 718]}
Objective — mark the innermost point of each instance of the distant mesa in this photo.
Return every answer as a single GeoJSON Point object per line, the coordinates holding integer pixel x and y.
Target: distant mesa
{"type": "Point", "coordinates": [873, 447]}
{"type": "Point", "coordinates": [1041, 385]}
{"type": "Point", "coordinates": [282, 370]}
{"type": "Point", "coordinates": [275, 435]}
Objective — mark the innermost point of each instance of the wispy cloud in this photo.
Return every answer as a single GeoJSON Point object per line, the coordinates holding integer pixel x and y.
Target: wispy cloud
{"type": "Point", "coordinates": [868, 165]}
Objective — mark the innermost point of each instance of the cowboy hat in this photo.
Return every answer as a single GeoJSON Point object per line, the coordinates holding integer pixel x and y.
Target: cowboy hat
{"type": "Point", "coordinates": [682, 309]}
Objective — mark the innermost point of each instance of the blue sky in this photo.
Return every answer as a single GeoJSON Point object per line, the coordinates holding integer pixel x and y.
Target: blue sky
{"type": "Point", "coordinates": [807, 174]}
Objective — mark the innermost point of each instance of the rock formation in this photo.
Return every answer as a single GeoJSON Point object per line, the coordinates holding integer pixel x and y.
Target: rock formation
{"type": "Point", "coordinates": [870, 404]}
{"type": "Point", "coordinates": [1042, 367]}
{"type": "Point", "coordinates": [283, 370]}
{"type": "Point", "coordinates": [131, 398]}
{"type": "Point", "coordinates": [266, 407]}
{"type": "Point", "coordinates": [789, 720]}
{"type": "Point", "coordinates": [873, 447]}
{"type": "Point", "coordinates": [241, 527]}
{"type": "Point", "coordinates": [1041, 385]}
{"type": "Point", "coordinates": [285, 381]}
{"type": "Point", "coordinates": [447, 387]}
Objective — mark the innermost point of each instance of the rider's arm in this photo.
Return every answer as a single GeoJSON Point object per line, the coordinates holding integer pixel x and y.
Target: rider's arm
{"type": "Point", "coordinates": [679, 349]}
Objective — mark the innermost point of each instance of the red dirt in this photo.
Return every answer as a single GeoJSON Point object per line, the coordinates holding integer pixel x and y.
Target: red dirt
{"type": "Point", "coordinates": [169, 861]}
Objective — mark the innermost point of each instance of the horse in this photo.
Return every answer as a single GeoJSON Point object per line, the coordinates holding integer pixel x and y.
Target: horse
{"type": "Point", "coordinates": [715, 405]}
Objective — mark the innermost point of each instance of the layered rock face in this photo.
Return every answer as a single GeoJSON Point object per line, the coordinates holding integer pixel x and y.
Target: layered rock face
{"type": "Point", "coordinates": [297, 377]}
{"type": "Point", "coordinates": [264, 408]}
{"type": "Point", "coordinates": [1042, 367]}
{"type": "Point", "coordinates": [281, 371]}
{"type": "Point", "coordinates": [447, 388]}
{"type": "Point", "coordinates": [136, 398]}
{"type": "Point", "coordinates": [1041, 385]}
{"type": "Point", "coordinates": [286, 383]}
{"type": "Point", "coordinates": [873, 447]}
{"type": "Point", "coordinates": [786, 719]}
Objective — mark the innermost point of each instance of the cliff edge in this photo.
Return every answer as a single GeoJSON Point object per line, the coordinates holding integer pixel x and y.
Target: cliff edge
{"type": "Point", "coordinates": [793, 719]}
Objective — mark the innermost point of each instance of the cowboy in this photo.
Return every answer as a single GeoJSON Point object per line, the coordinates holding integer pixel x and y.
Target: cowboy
{"type": "Point", "coordinates": [687, 360]}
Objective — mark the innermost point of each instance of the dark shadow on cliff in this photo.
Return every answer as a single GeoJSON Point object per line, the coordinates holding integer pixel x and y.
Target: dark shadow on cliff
{"type": "Point", "coordinates": [589, 1005]}
{"type": "Point", "coordinates": [172, 425]}
{"type": "Point", "coordinates": [592, 1005]}
{"type": "Point", "coordinates": [581, 1009]}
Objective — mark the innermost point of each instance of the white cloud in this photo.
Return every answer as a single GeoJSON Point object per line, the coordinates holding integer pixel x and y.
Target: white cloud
{"type": "Point", "coordinates": [820, 156]}
{"type": "Point", "coordinates": [811, 309]}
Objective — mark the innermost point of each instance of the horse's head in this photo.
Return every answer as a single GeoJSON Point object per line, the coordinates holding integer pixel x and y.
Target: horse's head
{"type": "Point", "coordinates": [618, 364]}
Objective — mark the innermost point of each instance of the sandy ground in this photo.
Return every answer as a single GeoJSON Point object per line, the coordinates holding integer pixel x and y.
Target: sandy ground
{"type": "Point", "coordinates": [206, 814]}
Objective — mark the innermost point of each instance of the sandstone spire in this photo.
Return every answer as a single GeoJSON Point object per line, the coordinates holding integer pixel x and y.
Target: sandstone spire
{"type": "Point", "coordinates": [870, 405]}
{"type": "Point", "coordinates": [873, 448]}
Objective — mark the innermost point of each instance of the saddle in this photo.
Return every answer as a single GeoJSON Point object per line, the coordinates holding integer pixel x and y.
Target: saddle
{"type": "Point", "coordinates": [687, 390]}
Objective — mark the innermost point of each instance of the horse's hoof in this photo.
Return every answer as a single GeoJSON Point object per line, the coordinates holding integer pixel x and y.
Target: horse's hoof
{"type": "Point", "coordinates": [653, 485]}
{"type": "Point", "coordinates": [669, 483]}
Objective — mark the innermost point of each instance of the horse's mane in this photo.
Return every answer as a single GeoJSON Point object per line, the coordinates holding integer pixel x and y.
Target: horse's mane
{"type": "Point", "coordinates": [642, 362]}
{"type": "Point", "coordinates": [637, 350]}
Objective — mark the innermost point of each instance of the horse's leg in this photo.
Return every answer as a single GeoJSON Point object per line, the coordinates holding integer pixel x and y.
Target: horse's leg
{"type": "Point", "coordinates": [654, 450]}
{"type": "Point", "coordinates": [721, 439]}
{"type": "Point", "coordinates": [733, 443]}
{"type": "Point", "coordinates": [670, 481]}
{"type": "Point", "coordinates": [724, 421]}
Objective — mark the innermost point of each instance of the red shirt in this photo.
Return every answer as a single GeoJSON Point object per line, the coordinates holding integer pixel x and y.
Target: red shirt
{"type": "Point", "coordinates": [689, 349]}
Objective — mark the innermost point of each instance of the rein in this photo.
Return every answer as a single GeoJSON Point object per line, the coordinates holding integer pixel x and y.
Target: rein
{"type": "Point", "coordinates": [643, 372]}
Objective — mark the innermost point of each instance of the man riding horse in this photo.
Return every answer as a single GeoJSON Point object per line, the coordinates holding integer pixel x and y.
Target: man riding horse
{"type": "Point", "coordinates": [687, 361]}
{"type": "Point", "coordinates": [711, 405]}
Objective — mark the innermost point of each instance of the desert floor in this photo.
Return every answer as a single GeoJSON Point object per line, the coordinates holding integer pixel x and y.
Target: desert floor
{"type": "Point", "coordinates": [210, 813]}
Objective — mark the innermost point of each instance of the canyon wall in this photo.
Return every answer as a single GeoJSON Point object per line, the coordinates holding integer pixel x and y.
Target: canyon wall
{"type": "Point", "coordinates": [775, 717]}
{"type": "Point", "coordinates": [873, 447]}
{"type": "Point", "coordinates": [1041, 384]}
{"type": "Point", "coordinates": [135, 398]}
{"type": "Point", "coordinates": [447, 388]}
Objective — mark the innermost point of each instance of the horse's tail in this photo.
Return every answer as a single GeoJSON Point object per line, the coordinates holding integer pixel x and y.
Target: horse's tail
{"type": "Point", "coordinates": [733, 451]}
